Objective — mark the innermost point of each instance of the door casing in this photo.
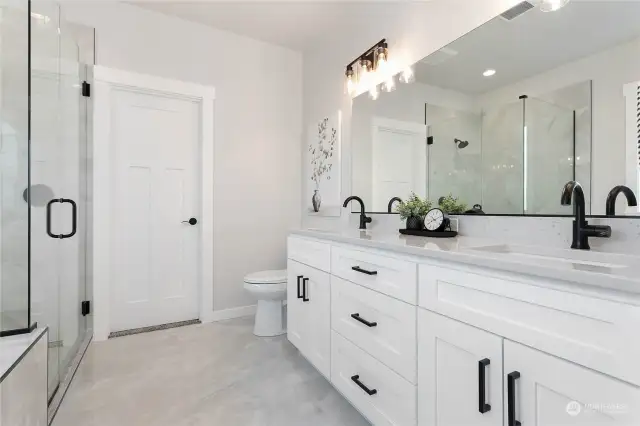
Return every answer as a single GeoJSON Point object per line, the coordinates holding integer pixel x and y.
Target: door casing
{"type": "Point", "coordinates": [106, 80]}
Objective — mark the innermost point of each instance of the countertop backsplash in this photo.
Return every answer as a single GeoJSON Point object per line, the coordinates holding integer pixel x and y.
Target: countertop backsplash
{"type": "Point", "coordinates": [547, 231]}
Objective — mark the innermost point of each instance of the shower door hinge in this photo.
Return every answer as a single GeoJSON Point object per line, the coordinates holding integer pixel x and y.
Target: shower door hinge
{"type": "Point", "coordinates": [86, 307]}
{"type": "Point", "coordinates": [86, 89]}
{"type": "Point", "coordinates": [429, 140]}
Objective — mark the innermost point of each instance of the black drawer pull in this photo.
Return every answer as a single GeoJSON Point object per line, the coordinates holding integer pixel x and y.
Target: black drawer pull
{"type": "Point", "coordinates": [358, 318]}
{"type": "Point", "coordinates": [511, 398]}
{"type": "Point", "coordinates": [362, 386]}
{"type": "Point", "coordinates": [364, 271]}
{"type": "Point", "coordinates": [299, 293]}
{"type": "Point", "coordinates": [483, 407]}
{"type": "Point", "coordinates": [304, 289]}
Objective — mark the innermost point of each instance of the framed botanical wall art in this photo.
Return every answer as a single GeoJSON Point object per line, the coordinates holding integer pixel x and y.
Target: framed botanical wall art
{"type": "Point", "coordinates": [323, 166]}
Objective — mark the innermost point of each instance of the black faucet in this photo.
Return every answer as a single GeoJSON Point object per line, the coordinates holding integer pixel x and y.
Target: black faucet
{"type": "Point", "coordinates": [613, 194]}
{"type": "Point", "coordinates": [581, 228]}
{"type": "Point", "coordinates": [391, 201]}
{"type": "Point", "coordinates": [363, 218]}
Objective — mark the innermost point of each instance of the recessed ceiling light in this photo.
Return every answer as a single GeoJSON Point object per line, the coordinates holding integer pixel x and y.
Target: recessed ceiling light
{"type": "Point", "coordinates": [552, 5]}
{"type": "Point", "coordinates": [489, 73]}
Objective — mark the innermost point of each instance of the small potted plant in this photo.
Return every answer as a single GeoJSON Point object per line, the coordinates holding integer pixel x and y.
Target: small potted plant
{"type": "Point", "coordinates": [413, 211]}
{"type": "Point", "coordinates": [452, 205]}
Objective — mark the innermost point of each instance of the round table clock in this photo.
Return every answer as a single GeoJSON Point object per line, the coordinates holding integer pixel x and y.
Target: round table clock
{"type": "Point", "coordinates": [436, 220]}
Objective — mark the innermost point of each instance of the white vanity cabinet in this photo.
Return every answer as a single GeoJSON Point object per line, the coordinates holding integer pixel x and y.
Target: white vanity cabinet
{"type": "Point", "coordinates": [309, 304]}
{"type": "Point", "coordinates": [411, 340]}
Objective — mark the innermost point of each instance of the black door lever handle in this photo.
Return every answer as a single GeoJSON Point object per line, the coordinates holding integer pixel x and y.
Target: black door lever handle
{"type": "Point", "coordinates": [191, 221]}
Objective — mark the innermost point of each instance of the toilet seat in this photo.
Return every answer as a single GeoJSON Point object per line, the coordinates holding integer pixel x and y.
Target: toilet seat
{"type": "Point", "coordinates": [267, 277]}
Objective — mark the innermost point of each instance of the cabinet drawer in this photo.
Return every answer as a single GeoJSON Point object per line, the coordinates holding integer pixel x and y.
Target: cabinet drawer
{"type": "Point", "coordinates": [309, 252]}
{"type": "Point", "coordinates": [583, 329]}
{"type": "Point", "coordinates": [382, 326]}
{"type": "Point", "coordinates": [394, 401]}
{"type": "Point", "coordinates": [388, 275]}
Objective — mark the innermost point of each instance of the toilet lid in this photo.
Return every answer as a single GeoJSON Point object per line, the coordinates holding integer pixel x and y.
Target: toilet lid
{"type": "Point", "coordinates": [267, 277]}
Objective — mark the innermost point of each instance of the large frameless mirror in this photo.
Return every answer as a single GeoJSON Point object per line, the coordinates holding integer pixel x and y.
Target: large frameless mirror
{"type": "Point", "coordinates": [504, 116]}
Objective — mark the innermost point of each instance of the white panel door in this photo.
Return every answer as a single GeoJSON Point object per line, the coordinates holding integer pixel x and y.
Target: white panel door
{"type": "Point", "coordinates": [456, 363]}
{"type": "Point", "coordinates": [155, 144]}
{"type": "Point", "coordinates": [549, 391]}
{"type": "Point", "coordinates": [399, 162]}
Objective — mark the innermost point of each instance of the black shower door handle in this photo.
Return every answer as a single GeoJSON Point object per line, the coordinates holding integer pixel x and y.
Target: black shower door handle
{"type": "Point", "coordinates": [74, 218]}
{"type": "Point", "coordinates": [49, 204]}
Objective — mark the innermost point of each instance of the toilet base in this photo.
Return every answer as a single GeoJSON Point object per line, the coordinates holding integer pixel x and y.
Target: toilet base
{"type": "Point", "coordinates": [269, 320]}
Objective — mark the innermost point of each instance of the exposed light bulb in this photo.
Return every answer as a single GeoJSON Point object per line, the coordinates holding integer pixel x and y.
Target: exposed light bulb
{"type": "Point", "coordinates": [489, 73]}
{"type": "Point", "coordinates": [365, 77]}
{"type": "Point", "coordinates": [351, 82]}
{"type": "Point", "coordinates": [374, 93]}
{"type": "Point", "coordinates": [389, 84]}
{"type": "Point", "coordinates": [407, 75]}
{"type": "Point", "coordinates": [552, 5]}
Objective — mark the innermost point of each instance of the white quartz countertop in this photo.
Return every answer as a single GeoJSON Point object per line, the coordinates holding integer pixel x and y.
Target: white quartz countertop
{"type": "Point", "coordinates": [605, 270]}
{"type": "Point", "coordinates": [13, 349]}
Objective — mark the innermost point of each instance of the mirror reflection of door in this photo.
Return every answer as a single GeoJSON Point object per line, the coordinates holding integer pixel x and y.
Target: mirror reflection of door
{"type": "Point", "coordinates": [399, 161]}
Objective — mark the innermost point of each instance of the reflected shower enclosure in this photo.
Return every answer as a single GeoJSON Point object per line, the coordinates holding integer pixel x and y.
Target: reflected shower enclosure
{"type": "Point", "coordinates": [512, 158]}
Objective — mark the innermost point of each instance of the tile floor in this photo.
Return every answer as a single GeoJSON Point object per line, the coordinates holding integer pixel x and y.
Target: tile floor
{"type": "Point", "coordinates": [213, 374]}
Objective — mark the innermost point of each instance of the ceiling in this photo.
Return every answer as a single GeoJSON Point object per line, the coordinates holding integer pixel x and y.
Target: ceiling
{"type": "Point", "coordinates": [299, 25]}
{"type": "Point", "coordinates": [530, 44]}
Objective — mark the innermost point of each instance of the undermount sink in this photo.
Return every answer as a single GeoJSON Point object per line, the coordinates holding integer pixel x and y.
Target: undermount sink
{"type": "Point", "coordinates": [578, 258]}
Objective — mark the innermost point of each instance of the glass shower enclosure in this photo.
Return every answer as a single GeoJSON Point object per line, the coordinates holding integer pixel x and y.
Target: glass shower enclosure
{"type": "Point", "coordinates": [44, 154]}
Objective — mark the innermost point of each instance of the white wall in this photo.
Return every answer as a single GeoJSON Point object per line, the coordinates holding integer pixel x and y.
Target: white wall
{"type": "Point", "coordinates": [421, 30]}
{"type": "Point", "coordinates": [257, 126]}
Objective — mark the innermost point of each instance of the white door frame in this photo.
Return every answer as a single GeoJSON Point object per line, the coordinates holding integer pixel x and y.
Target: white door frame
{"type": "Point", "coordinates": [106, 80]}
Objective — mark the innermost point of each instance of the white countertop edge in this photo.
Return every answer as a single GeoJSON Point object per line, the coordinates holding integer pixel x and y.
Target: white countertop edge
{"type": "Point", "coordinates": [594, 279]}
{"type": "Point", "coordinates": [14, 348]}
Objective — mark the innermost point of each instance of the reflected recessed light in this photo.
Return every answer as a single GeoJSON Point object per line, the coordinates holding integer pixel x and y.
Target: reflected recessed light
{"type": "Point", "coordinates": [489, 73]}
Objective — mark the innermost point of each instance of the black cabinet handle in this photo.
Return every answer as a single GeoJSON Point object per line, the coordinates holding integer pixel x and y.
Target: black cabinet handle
{"type": "Point", "coordinates": [74, 218]}
{"type": "Point", "coordinates": [358, 318]}
{"type": "Point", "coordinates": [511, 398]}
{"type": "Point", "coordinates": [364, 271]}
{"type": "Point", "coordinates": [299, 294]}
{"type": "Point", "coordinates": [483, 407]}
{"type": "Point", "coordinates": [356, 380]}
{"type": "Point", "coordinates": [304, 289]}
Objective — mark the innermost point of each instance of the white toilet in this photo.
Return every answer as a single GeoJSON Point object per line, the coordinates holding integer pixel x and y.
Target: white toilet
{"type": "Point", "coordinates": [270, 288]}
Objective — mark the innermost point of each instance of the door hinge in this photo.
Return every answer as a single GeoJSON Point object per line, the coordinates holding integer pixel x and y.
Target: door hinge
{"type": "Point", "coordinates": [86, 89]}
{"type": "Point", "coordinates": [429, 140]}
{"type": "Point", "coordinates": [86, 307]}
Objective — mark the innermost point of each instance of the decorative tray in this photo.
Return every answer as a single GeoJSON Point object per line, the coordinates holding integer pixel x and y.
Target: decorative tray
{"type": "Point", "coordinates": [431, 234]}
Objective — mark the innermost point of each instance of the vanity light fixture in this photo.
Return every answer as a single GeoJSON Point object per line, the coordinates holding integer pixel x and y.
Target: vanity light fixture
{"type": "Point", "coordinates": [489, 73]}
{"type": "Point", "coordinates": [372, 72]}
{"type": "Point", "coordinates": [552, 5]}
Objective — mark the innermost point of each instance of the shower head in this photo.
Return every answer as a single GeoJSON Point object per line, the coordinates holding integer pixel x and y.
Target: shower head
{"type": "Point", "coordinates": [461, 144]}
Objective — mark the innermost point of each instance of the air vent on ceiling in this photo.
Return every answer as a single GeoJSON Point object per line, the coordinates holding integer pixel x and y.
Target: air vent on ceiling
{"type": "Point", "coordinates": [517, 10]}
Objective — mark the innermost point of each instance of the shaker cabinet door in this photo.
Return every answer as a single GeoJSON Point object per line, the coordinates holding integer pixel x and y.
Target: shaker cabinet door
{"type": "Point", "coordinates": [296, 315]}
{"type": "Point", "coordinates": [459, 373]}
{"type": "Point", "coordinates": [549, 391]}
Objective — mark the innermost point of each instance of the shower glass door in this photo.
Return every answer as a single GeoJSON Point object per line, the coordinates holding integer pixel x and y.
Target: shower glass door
{"type": "Point", "coordinates": [59, 186]}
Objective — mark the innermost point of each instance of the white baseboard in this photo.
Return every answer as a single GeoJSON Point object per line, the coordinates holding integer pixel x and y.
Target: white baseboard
{"type": "Point", "coordinates": [225, 314]}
